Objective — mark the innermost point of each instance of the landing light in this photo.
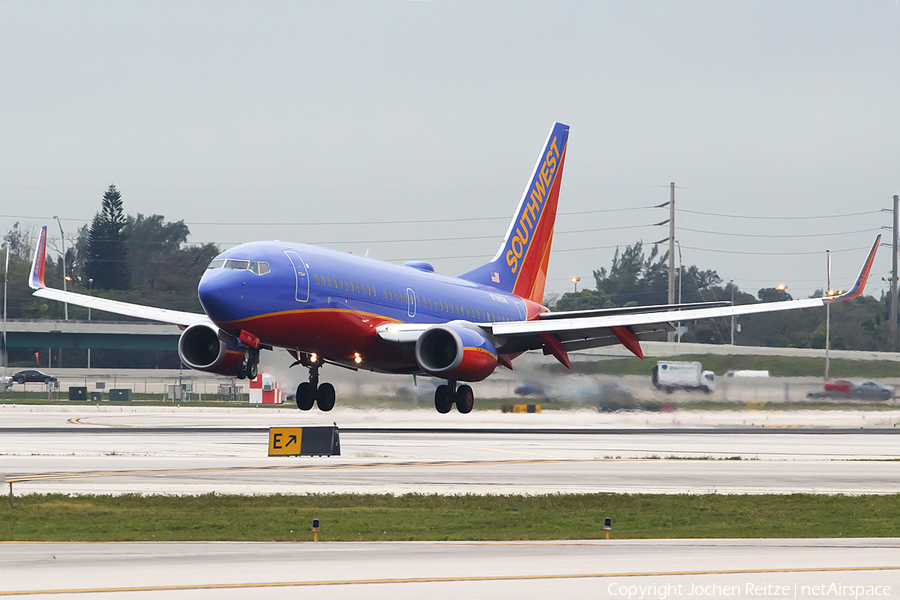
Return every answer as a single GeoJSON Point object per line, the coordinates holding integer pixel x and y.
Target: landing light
{"type": "Point", "coordinates": [357, 358]}
{"type": "Point", "coordinates": [313, 357]}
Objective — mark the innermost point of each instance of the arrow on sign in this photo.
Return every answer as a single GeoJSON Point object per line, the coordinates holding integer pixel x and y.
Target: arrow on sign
{"type": "Point", "coordinates": [291, 440]}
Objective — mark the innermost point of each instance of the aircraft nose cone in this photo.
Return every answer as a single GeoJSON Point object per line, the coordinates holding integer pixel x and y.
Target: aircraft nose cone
{"type": "Point", "coordinates": [217, 291]}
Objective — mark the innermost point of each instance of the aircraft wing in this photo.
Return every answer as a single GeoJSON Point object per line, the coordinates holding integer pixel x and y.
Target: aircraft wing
{"type": "Point", "coordinates": [578, 331]}
{"type": "Point", "coordinates": [559, 333]}
{"type": "Point", "coordinates": [36, 281]}
{"type": "Point", "coordinates": [591, 332]}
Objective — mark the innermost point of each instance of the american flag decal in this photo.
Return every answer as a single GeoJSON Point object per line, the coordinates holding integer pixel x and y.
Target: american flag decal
{"type": "Point", "coordinates": [495, 277]}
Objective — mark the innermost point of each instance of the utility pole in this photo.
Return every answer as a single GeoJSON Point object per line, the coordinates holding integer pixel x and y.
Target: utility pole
{"type": "Point", "coordinates": [671, 335]}
{"type": "Point", "coordinates": [894, 343]}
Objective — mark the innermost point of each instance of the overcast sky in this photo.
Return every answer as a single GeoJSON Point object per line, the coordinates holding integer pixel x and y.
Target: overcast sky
{"type": "Point", "coordinates": [335, 122]}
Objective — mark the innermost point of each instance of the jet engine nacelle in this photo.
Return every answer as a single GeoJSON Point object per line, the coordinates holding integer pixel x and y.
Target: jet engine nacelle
{"type": "Point", "coordinates": [455, 353]}
{"type": "Point", "coordinates": [200, 348]}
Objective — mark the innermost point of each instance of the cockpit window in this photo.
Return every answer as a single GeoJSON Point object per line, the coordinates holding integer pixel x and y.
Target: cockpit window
{"type": "Point", "coordinates": [237, 264]}
{"type": "Point", "coordinates": [260, 268]}
{"type": "Point", "coordinates": [254, 266]}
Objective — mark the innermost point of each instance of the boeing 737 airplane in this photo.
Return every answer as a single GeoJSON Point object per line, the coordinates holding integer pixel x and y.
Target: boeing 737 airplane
{"type": "Point", "coordinates": [327, 307]}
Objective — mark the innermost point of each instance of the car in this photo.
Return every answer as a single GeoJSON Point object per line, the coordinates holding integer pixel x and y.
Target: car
{"type": "Point", "coordinates": [840, 385]}
{"type": "Point", "coordinates": [873, 389]}
{"type": "Point", "coordinates": [32, 376]}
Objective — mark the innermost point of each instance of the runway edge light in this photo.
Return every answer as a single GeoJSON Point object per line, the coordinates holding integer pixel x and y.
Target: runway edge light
{"type": "Point", "coordinates": [315, 530]}
{"type": "Point", "coordinates": [607, 525]}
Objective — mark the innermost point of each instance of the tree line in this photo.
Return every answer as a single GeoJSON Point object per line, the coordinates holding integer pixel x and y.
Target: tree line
{"type": "Point", "coordinates": [639, 279]}
{"type": "Point", "coordinates": [140, 259]}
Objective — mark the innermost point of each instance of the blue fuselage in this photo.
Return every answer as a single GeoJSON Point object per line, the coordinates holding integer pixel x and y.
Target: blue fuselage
{"type": "Point", "coordinates": [311, 299]}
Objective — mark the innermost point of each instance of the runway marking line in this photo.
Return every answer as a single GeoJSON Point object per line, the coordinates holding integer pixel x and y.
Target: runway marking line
{"type": "Point", "coordinates": [252, 448]}
{"type": "Point", "coordinates": [27, 477]}
{"type": "Point", "coordinates": [463, 579]}
{"type": "Point", "coordinates": [522, 453]}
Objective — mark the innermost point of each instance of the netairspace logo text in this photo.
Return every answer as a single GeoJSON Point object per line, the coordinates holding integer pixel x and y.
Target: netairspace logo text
{"type": "Point", "coordinates": [749, 590]}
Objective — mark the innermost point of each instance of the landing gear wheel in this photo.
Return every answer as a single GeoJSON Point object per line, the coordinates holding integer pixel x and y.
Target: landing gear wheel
{"type": "Point", "coordinates": [465, 399]}
{"type": "Point", "coordinates": [242, 371]}
{"type": "Point", "coordinates": [252, 371]}
{"type": "Point", "coordinates": [443, 399]}
{"type": "Point", "coordinates": [326, 397]}
{"type": "Point", "coordinates": [305, 400]}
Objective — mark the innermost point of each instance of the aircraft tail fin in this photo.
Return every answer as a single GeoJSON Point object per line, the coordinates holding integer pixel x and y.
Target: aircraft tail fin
{"type": "Point", "coordinates": [520, 266]}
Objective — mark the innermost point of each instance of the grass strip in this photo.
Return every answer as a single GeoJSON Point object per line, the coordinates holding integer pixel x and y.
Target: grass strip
{"type": "Point", "coordinates": [362, 517]}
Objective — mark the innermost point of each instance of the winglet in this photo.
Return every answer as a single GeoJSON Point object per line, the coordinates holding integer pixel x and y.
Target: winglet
{"type": "Point", "coordinates": [36, 280]}
{"type": "Point", "coordinates": [860, 284]}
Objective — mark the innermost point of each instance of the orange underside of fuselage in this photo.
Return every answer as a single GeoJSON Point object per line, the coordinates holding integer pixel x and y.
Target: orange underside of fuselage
{"type": "Point", "coordinates": [334, 334]}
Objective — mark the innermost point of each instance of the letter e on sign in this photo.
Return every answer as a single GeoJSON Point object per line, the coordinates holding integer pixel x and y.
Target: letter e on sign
{"type": "Point", "coordinates": [285, 441]}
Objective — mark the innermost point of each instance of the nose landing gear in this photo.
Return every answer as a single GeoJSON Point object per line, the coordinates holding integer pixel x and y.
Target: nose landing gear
{"type": "Point", "coordinates": [445, 396]}
{"type": "Point", "coordinates": [312, 392]}
{"type": "Point", "coordinates": [249, 368]}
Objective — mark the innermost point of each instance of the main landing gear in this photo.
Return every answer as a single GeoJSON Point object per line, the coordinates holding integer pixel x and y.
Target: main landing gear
{"type": "Point", "coordinates": [249, 368]}
{"type": "Point", "coordinates": [312, 392]}
{"type": "Point", "coordinates": [445, 396]}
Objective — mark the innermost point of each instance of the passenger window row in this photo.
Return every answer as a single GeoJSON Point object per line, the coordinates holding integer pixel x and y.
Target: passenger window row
{"type": "Point", "coordinates": [456, 309]}
{"type": "Point", "coordinates": [347, 286]}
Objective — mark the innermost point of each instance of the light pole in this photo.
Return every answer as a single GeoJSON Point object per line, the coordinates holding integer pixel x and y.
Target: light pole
{"type": "Point", "coordinates": [575, 280]}
{"type": "Point", "coordinates": [62, 238]}
{"type": "Point", "coordinates": [732, 316]}
{"type": "Point", "coordinates": [678, 246]}
{"type": "Point", "coordinates": [90, 285]}
{"type": "Point", "coordinates": [5, 348]}
{"type": "Point", "coordinates": [829, 293]}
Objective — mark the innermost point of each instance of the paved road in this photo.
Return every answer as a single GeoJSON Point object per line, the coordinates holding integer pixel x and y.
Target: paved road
{"type": "Point", "coordinates": [224, 450]}
{"type": "Point", "coordinates": [854, 568]}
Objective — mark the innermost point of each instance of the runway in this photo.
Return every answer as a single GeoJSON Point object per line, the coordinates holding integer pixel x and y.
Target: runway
{"type": "Point", "coordinates": [193, 451]}
{"type": "Point", "coordinates": [849, 568]}
{"type": "Point", "coordinates": [107, 449]}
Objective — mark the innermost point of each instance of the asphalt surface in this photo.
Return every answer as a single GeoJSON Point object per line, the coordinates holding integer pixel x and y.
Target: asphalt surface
{"type": "Point", "coordinates": [848, 568]}
{"type": "Point", "coordinates": [111, 449]}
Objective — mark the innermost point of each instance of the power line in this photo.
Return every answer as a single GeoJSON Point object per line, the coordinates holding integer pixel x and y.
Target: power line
{"type": "Point", "coordinates": [799, 235]}
{"type": "Point", "coordinates": [720, 251]}
{"type": "Point", "coordinates": [340, 223]}
{"type": "Point", "coordinates": [710, 214]}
